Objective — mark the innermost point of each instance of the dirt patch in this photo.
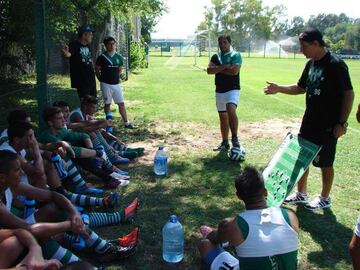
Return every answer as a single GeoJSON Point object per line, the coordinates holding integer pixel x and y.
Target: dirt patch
{"type": "Point", "coordinates": [190, 137]}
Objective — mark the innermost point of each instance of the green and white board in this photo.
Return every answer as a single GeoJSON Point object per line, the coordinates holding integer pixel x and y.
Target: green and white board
{"type": "Point", "coordinates": [287, 167]}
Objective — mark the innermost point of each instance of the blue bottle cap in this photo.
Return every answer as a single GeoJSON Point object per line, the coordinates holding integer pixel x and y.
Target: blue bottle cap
{"type": "Point", "coordinates": [161, 147]}
{"type": "Point", "coordinates": [173, 219]}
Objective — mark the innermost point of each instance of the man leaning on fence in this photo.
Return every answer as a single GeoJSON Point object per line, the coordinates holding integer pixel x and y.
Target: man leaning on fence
{"type": "Point", "coordinates": [82, 73]}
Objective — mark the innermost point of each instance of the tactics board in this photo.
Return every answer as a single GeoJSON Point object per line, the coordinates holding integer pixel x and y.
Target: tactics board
{"type": "Point", "coordinates": [287, 166]}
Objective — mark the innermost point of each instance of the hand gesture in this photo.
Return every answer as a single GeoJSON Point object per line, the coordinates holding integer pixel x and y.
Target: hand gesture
{"type": "Point", "coordinates": [339, 130]}
{"type": "Point", "coordinates": [78, 226]}
{"type": "Point", "coordinates": [35, 261]}
{"type": "Point", "coordinates": [271, 88]}
{"type": "Point", "coordinates": [65, 49]}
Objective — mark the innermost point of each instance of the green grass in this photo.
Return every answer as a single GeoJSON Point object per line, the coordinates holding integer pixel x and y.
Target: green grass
{"type": "Point", "coordinates": [173, 102]}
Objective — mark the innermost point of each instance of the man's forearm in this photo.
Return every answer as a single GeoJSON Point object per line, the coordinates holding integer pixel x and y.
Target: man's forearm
{"type": "Point", "coordinates": [63, 203]}
{"type": "Point", "coordinates": [26, 238]}
{"type": "Point", "coordinates": [215, 69]}
{"type": "Point", "coordinates": [346, 107]}
{"type": "Point", "coordinates": [290, 89]}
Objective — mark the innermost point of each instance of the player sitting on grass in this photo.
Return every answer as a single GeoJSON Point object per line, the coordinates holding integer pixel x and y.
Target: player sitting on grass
{"type": "Point", "coordinates": [263, 237]}
{"type": "Point", "coordinates": [55, 208]}
{"type": "Point", "coordinates": [82, 146]}
{"type": "Point", "coordinates": [83, 119]}
{"type": "Point", "coordinates": [63, 148]}
{"type": "Point", "coordinates": [13, 244]}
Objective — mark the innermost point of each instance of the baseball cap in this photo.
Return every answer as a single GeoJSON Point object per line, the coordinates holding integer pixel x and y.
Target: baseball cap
{"type": "Point", "coordinates": [311, 34]}
{"type": "Point", "coordinates": [84, 29]}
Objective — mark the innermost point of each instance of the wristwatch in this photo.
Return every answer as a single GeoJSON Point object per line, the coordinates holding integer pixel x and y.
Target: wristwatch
{"type": "Point", "coordinates": [344, 124]}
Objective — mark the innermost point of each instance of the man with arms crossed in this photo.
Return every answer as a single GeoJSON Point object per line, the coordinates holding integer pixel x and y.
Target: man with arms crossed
{"type": "Point", "coordinates": [226, 67]}
{"type": "Point", "coordinates": [329, 98]}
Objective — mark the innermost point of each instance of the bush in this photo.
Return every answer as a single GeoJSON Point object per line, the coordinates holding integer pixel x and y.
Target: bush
{"type": "Point", "coordinates": [137, 55]}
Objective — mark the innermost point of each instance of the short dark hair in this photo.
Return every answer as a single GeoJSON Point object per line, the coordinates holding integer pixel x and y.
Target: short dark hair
{"type": "Point", "coordinates": [6, 158]}
{"type": "Point", "coordinates": [108, 39]}
{"type": "Point", "coordinates": [249, 183]}
{"type": "Point", "coordinates": [16, 116]}
{"type": "Point", "coordinates": [89, 99]}
{"type": "Point", "coordinates": [50, 112]}
{"type": "Point", "coordinates": [226, 37]}
{"type": "Point", "coordinates": [60, 104]}
{"type": "Point", "coordinates": [310, 34]}
{"type": "Point", "coordinates": [18, 129]}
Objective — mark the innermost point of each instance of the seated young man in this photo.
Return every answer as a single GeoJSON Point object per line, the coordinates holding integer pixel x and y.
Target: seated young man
{"type": "Point", "coordinates": [20, 249]}
{"type": "Point", "coordinates": [52, 209]}
{"type": "Point", "coordinates": [82, 146]}
{"type": "Point", "coordinates": [83, 119]}
{"type": "Point", "coordinates": [63, 148]}
{"type": "Point", "coordinates": [263, 237]}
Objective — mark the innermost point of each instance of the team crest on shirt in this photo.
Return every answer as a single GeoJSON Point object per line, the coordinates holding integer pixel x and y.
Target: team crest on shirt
{"type": "Point", "coordinates": [315, 77]}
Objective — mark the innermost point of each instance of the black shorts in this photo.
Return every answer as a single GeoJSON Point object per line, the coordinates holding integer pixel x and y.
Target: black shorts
{"type": "Point", "coordinates": [83, 91]}
{"type": "Point", "coordinates": [326, 139]}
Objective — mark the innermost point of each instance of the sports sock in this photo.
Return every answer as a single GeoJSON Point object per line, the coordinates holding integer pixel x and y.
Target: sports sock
{"type": "Point", "coordinates": [84, 200]}
{"type": "Point", "coordinates": [97, 219]}
{"type": "Point", "coordinates": [225, 142]}
{"type": "Point", "coordinates": [52, 250]}
{"type": "Point", "coordinates": [74, 175]}
{"type": "Point", "coordinates": [96, 243]}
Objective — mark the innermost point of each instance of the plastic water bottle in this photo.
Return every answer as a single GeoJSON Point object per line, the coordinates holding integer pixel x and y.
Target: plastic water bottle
{"type": "Point", "coordinates": [29, 208]}
{"type": "Point", "coordinates": [109, 116]}
{"type": "Point", "coordinates": [56, 160]}
{"type": "Point", "coordinates": [173, 240]}
{"type": "Point", "coordinates": [160, 162]}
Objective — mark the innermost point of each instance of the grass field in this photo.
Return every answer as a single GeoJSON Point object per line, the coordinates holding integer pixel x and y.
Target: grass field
{"type": "Point", "coordinates": [173, 103]}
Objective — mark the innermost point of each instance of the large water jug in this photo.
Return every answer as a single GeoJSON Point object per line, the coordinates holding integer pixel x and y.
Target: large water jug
{"type": "Point", "coordinates": [160, 162]}
{"type": "Point", "coordinates": [173, 240]}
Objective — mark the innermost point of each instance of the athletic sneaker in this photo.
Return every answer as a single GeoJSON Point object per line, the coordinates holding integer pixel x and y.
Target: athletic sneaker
{"type": "Point", "coordinates": [319, 202]}
{"type": "Point", "coordinates": [119, 159]}
{"type": "Point", "coordinates": [130, 211]}
{"type": "Point", "coordinates": [296, 197]}
{"type": "Point", "coordinates": [129, 125]}
{"type": "Point", "coordinates": [114, 253]}
{"type": "Point", "coordinates": [120, 176]}
{"type": "Point", "coordinates": [222, 146]}
{"type": "Point", "coordinates": [88, 190]}
{"type": "Point", "coordinates": [113, 183]}
{"type": "Point", "coordinates": [130, 239]}
{"type": "Point", "coordinates": [111, 201]}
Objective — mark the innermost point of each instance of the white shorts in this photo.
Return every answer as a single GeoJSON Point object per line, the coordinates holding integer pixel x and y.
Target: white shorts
{"type": "Point", "coordinates": [357, 227]}
{"type": "Point", "coordinates": [112, 91]}
{"type": "Point", "coordinates": [222, 99]}
{"type": "Point", "coordinates": [225, 261]}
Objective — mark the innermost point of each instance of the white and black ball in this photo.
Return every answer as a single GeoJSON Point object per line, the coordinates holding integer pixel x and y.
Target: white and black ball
{"type": "Point", "coordinates": [237, 153]}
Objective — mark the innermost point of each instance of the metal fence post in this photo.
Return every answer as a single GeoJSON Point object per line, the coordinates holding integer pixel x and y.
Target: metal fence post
{"type": "Point", "coordinates": [40, 57]}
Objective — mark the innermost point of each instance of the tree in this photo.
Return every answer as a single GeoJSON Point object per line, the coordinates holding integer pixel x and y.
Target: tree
{"type": "Point", "coordinates": [296, 26]}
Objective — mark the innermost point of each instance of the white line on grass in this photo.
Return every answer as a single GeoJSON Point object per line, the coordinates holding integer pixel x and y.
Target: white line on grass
{"type": "Point", "coordinates": [302, 109]}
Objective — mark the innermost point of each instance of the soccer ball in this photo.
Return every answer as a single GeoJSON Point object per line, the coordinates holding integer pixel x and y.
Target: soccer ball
{"type": "Point", "coordinates": [237, 153]}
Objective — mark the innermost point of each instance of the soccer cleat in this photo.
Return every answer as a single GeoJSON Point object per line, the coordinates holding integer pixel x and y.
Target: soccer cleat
{"type": "Point", "coordinates": [113, 183]}
{"type": "Point", "coordinates": [111, 201]}
{"type": "Point", "coordinates": [222, 146]}
{"type": "Point", "coordinates": [205, 230]}
{"type": "Point", "coordinates": [121, 172]}
{"type": "Point", "coordinates": [119, 160]}
{"type": "Point", "coordinates": [318, 203]}
{"type": "Point", "coordinates": [88, 190]}
{"type": "Point", "coordinates": [296, 197]}
{"type": "Point", "coordinates": [128, 154]}
{"type": "Point", "coordinates": [130, 211]}
{"type": "Point", "coordinates": [130, 239]}
{"type": "Point", "coordinates": [129, 126]}
{"type": "Point", "coordinates": [114, 253]}
{"type": "Point", "coordinates": [120, 176]}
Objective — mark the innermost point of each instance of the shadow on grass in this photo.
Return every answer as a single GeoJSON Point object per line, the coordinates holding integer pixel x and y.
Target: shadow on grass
{"type": "Point", "coordinates": [199, 191]}
{"type": "Point", "coordinates": [327, 232]}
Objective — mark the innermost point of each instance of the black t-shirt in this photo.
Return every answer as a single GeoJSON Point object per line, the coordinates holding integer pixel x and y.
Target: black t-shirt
{"type": "Point", "coordinates": [224, 82]}
{"type": "Point", "coordinates": [110, 67]}
{"type": "Point", "coordinates": [325, 82]}
{"type": "Point", "coordinates": [81, 66]}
